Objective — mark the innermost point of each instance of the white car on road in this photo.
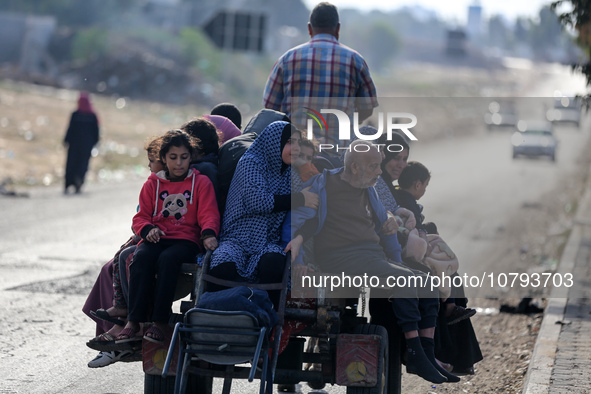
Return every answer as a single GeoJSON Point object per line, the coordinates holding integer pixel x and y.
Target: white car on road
{"type": "Point", "coordinates": [534, 139]}
{"type": "Point", "coordinates": [566, 110]}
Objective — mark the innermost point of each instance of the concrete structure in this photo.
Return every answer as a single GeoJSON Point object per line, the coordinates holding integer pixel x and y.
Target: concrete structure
{"type": "Point", "coordinates": [474, 25]}
{"type": "Point", "coordinates": [25, 39]}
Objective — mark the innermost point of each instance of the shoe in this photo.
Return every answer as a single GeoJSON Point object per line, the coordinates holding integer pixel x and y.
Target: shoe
{"type": "Point", "coordinates": [128, 335]}
{"type": "Point", "coordinates": [107, 358]}
{"type": "Point", "coordinates": [286, 388]}
{"type": "Point", "coordinates": [156, 335]}
{"type": "Point", "coordinates": [134, 345]}
{"type": "Point", "coordinates": [448, 367]}
{"type": "Point", "coordinates": [99, 342]}
{"type": "Point", "coordinates": [463, 371]}
{"type": "Point", "coordinates": [107, 343]}
{"type": "Point", "coordinates": [136, 355]}
{"type": "Point", "coordinates": [316, 386]}
{"type": "Point", "coordinates": [104, 315]}
{"type": "Point", "coordinates": [458, 314]}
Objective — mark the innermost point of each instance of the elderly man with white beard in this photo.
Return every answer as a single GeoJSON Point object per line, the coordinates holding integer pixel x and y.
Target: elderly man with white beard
{"type": "Point", "coordinates": [353, 237]}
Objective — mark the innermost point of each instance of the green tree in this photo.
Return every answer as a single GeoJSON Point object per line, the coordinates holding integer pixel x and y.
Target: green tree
{"type": "Point", "coordinates": [546, 33]}
{"type": "Point", "coordinates": [549, 28]}
{"type": "Point", "coordinates": [520, 30]}
{"type": "Point", "coordinates": [375, 38]}
{"type": "Point", "coordinates": [90, 44]}
{"type": "Point", "coordinates": [497, 31]}
{"type": "Point", "coordinates": [579, 18]}
{"type": "Point", "coordinates": [383, 44]}
{"type": "Point", "coordinates": [200, 52]}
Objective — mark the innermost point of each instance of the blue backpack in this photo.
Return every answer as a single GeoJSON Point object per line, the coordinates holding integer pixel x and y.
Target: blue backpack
{"type": "Point", "coordinates": [242, 298]}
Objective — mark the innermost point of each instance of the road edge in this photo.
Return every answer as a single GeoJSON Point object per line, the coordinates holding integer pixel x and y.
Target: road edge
{"type": "Point", "coordinates": [539, 372]}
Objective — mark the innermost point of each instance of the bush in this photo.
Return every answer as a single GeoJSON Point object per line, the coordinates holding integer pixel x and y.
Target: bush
{"type": "Point", "coordinates": [201, 52]}
{"type": "Point", "coordinates": [90, 43]}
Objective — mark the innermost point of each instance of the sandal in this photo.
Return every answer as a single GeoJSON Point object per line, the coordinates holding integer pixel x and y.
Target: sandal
{"type": "Point", "coordinates": [464, 371]}
{"type": "Point", "coordinates": [448, 367]}
{"type": "Point", "coordinates": [156, 335]}
{"type": "Point", "coordinates": [104, 315]}
{"type": "Point", "coordinates": [458, 314]}
{"type": "Point", "coordinates": [101, 342]}
{"type": "Point", "coordinates": [128, 335]}
{"type": "Point", "coordinates": [104, 337]}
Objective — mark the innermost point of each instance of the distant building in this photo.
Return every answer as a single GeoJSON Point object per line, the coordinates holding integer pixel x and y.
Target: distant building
{"type": "Point", "coordinates": [25, 39]}
{"type": "Point", "coordinates": [231, 21]}
{"type": "Point", "coordinates": [474, 26]}
{"type": "Point", "coordinates": [456, 43]}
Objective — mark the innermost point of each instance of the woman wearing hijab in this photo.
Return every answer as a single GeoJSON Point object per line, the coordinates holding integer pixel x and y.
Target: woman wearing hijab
{"type": "Point", "coordinates": [82, 135]}
{"type": "Point", "coordinates": [258, 201]}
{"type": "Point", "coordinates": [455, 345]}
{"type": "Point", "coordinates": [225, 126]}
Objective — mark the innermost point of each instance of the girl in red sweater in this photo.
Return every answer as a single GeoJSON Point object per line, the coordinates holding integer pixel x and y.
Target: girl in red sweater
{"type": "Point", "coordinates": [178, 216]}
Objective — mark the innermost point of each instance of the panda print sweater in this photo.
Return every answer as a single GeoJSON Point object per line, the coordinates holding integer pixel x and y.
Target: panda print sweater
{"type": "Point", "coordinates": [183, 210]}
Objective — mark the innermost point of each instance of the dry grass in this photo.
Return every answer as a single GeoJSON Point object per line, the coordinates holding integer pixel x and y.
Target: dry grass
{"type": "Point", "coordinates": [33, 123]}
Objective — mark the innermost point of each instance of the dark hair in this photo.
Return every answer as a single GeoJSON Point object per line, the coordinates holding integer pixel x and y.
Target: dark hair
{"type": "Point", "coordinates": [414, 171]}
{"type": "Point", "coordinates": [177, 138]}
{"type": "Point", "coordinates": [287, 132]}
{"type": "Point", "coordinates": [229, 111]}
{"type": "Point", "coordinates": [206, 132]}
{"type": "Point", "coordinates": [153, 146]}
{"type": "Point", "coordinates": [396, 139]}
{"type": "Point", "coordinates": [304, 142]}
{"type": "Point", "coordinates": [324, 16]}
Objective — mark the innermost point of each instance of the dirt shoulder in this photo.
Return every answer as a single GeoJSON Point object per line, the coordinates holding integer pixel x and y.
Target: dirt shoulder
{"type": "Point", "coordinates": [32, 126]}
{"type": "Point", "coordinates": [507, 339]}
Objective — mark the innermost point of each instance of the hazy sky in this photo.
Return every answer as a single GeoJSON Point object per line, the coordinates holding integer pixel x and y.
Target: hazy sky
{"type": "Point", "coordinates": [450, 10]}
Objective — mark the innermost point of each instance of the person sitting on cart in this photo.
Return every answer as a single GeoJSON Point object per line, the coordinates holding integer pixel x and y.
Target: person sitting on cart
{"type": "Point", "coordinates": [354, 236]}
{"type": "Point", "coordinates": [178, 216]}
{"type": "Point", "coordinates": [205, 159]}
{"type": "Point", "coordinates": [258, 200]}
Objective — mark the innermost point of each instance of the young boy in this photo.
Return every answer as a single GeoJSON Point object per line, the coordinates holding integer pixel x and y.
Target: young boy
{"type": "Point", "coordinates": [412, 184]}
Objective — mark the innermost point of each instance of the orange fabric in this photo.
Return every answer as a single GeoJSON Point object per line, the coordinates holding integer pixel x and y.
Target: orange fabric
{"type": "Point", "coordinates": [307, 171]}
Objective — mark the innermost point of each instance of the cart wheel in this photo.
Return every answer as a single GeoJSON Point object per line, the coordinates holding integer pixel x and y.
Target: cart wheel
{"type": "Point", "coordinates": [156, 384]}
{"type": "Point", "coordinates": [382, 385]}
{"type": "Point", "coordinates": [200, 384]}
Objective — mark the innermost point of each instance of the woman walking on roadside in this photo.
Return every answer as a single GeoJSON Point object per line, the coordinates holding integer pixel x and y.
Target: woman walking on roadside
{"type": "Point", "coordinates": [81, 137]}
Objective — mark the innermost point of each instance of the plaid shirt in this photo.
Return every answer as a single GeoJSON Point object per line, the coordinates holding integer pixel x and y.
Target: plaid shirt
{"type": "Point", "coordinates": [321, 73]}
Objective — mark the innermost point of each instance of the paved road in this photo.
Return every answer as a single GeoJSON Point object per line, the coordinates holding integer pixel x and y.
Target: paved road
{"type": "Point", "coordinates": [52, 246]}
{"type": "Point", "coordinates": [50, 251]}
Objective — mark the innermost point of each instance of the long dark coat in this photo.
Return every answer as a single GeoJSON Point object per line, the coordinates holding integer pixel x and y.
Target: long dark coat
{"type": "Point", "coordinates": [82, 135]}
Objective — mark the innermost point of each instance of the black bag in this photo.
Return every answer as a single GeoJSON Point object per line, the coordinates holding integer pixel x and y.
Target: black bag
{"type": "Point", "coordinates": [232, 150]}
{"type": "Point", "coordinates": [262, 119]}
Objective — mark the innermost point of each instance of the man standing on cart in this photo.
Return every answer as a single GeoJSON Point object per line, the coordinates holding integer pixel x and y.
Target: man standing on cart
{"type": "Point", "coordinates": [321, 73]}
